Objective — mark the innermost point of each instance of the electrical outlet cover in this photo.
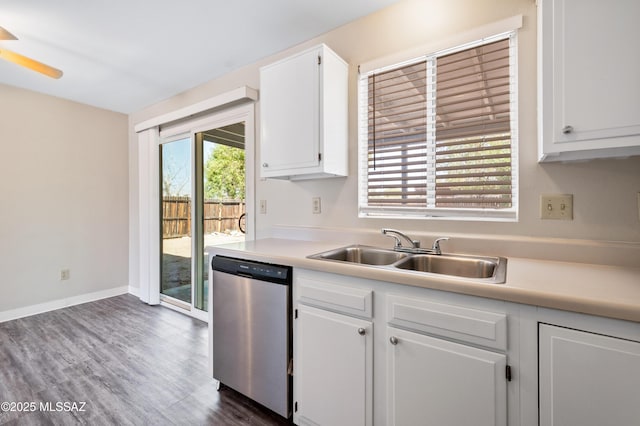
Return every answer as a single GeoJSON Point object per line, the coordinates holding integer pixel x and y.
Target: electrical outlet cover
{"type": "Point", "coordinates": [65, 274]}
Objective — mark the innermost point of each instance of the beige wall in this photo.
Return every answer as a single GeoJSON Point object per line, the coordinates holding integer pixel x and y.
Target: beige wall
{"type": "Point", "coordinates": [605, 205]}
{"type": "Point", "coordinates": [64, 192]}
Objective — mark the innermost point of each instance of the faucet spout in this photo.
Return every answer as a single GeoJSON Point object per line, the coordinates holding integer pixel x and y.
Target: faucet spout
{"type": "Point", "coordinates": [397, 235]}
{"type": "Point", "coordinates": [415, 244]}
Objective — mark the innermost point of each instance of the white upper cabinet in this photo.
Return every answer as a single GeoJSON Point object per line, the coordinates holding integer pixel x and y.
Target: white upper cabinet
{"type": "Point", "coordinates": [589, 79]}
{"type": "Point", "coordinates": [304, 116]}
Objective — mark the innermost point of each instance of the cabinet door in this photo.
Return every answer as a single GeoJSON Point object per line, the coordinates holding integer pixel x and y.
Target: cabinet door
{"type": "Point", "coordinates": [290, 114]}
{"type": "Point", "coordinates": [590, 68]}
{"type": "Point", "coordinates": [332, 368]}
{"type": "Point", "coordinates": [588, 379]}
{"type": "Point", "coordinates": [437, 382]}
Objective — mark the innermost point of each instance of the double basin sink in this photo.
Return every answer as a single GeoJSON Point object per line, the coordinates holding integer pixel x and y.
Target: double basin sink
{"type": "Point", "coordinates": [477, 268]}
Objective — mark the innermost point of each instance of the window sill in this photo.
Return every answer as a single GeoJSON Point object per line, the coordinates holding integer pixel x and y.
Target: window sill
{"type": "Point", "coordinates": [480, 215]}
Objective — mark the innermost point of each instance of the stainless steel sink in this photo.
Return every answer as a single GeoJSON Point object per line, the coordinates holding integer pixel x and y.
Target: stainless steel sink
{"type": "Point", "coordinates": [478, 268]}
{"type": "Point", "coordinates": [362, 254]}
{"type": "Point", "coordinates": [456, 265]}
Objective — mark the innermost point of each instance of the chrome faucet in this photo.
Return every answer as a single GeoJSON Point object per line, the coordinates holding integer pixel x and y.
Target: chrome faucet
{"type": "Point", "coordinates": [415, 244]}
{"type": "Point", "coordinates": [435, 248]}
{"type": "Point", "coordinates": [396, 235]}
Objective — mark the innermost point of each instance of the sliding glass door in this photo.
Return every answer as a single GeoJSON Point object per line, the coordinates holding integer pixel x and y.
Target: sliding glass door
{"type": "Point", "coordinates": [220, 155]}
{"type": "Point", "coordinates": [176, 169]}
{"type": "Point", "coordinates": [203, 203]}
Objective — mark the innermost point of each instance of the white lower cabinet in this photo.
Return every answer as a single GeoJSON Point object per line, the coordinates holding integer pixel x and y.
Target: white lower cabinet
{"type": "Point", "coordinates": [445, 359]}
{"type": "Point", "coordinates": [587, 379]}
{"type": "Point", "coordinates": [333, 368]}
{"type": "Point", "coordinates": [436, 382]}
{"type": "Point", "coordinates": [434, 358]}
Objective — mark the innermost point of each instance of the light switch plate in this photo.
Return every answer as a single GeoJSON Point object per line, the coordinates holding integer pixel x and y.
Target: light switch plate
{"type": "Point", "coordinates": [556, 206]}
{"type": "Point", "coordinates": [263, 206]}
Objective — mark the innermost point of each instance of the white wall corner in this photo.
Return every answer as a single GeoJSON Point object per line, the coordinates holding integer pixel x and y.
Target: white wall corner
{"type": "Point", "coordinates": [135, 291]}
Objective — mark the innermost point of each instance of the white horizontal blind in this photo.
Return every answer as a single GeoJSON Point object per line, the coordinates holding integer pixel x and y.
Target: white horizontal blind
{"type": "Point", "coordinates": [473, 128]}
{"type": "Point", "coordinates": [437, 135]}
{"type": "Point", "coordinates": [397, 142]}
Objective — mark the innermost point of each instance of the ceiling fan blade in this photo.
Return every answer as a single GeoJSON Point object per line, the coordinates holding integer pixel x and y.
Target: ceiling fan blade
{"type": "Point", "coordinates": [6, 35]}
{"type": "Point", "coordinates": [32, 64]}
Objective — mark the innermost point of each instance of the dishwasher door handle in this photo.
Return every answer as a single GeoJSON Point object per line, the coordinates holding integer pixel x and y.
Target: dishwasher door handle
{"type": "Point", "coordinates": [240, 274]}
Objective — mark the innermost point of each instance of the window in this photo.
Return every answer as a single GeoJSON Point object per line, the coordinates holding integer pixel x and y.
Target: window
{"type": "Point", "coordinates": [438, 135]}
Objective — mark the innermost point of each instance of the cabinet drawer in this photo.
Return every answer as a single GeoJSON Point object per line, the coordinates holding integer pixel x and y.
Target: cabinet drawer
{"type": "Point", "coordinates": [483, 328]}
{"type": "Point", "coordinates": [352, 301]}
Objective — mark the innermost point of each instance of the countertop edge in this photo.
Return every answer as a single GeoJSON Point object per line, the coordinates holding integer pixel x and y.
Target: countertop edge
{"type": "Point", "coordinates": [267, 251]}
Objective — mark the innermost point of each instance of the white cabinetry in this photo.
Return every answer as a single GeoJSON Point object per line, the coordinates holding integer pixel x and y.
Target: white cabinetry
{"type": "Point", "coordinates": [589, 79]}
{"type": "Point", "coordinates": [333, 355]}
{"type": "Point", "coordinates": [588, 379]}
{"type": "Point", "coordinates": [409, 356]}
{"type": "Point", "coordinates": [304, 116]}
{"type": "Point", "coordinates": [436, 381]}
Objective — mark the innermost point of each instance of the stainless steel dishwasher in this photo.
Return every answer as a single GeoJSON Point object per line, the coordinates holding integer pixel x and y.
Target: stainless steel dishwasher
{"type": "Point", "coordinates": [252, 337]}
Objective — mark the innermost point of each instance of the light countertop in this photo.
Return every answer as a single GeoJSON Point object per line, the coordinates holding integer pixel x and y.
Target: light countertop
{"type": "Point", "coordinates": [608, 291]}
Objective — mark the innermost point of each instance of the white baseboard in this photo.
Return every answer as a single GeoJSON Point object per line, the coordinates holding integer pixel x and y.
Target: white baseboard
{"type": "Point", "coordinates": [134, 291]}
{"type": "Point", "coordinates": [61, 303]}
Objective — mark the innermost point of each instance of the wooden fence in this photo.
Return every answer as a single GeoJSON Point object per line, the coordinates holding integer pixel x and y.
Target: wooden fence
{"type": "Point", "coordinates": [219, 216]}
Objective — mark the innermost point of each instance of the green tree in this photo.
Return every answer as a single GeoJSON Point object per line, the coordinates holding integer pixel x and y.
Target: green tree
{"type": "Point", "coordinates": [224, 173]}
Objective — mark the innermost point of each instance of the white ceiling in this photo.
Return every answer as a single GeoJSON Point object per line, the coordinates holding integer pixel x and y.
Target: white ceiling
{"type": "Point", "coordinates": [124, 55]}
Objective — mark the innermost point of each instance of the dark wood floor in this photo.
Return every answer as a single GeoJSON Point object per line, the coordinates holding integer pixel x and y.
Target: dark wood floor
{"type": "Point", "coordinates": [132, 364]}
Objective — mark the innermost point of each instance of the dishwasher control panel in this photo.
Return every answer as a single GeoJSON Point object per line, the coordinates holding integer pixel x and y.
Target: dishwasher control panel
{"type": "Point", "coordinates": [251, 269]}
